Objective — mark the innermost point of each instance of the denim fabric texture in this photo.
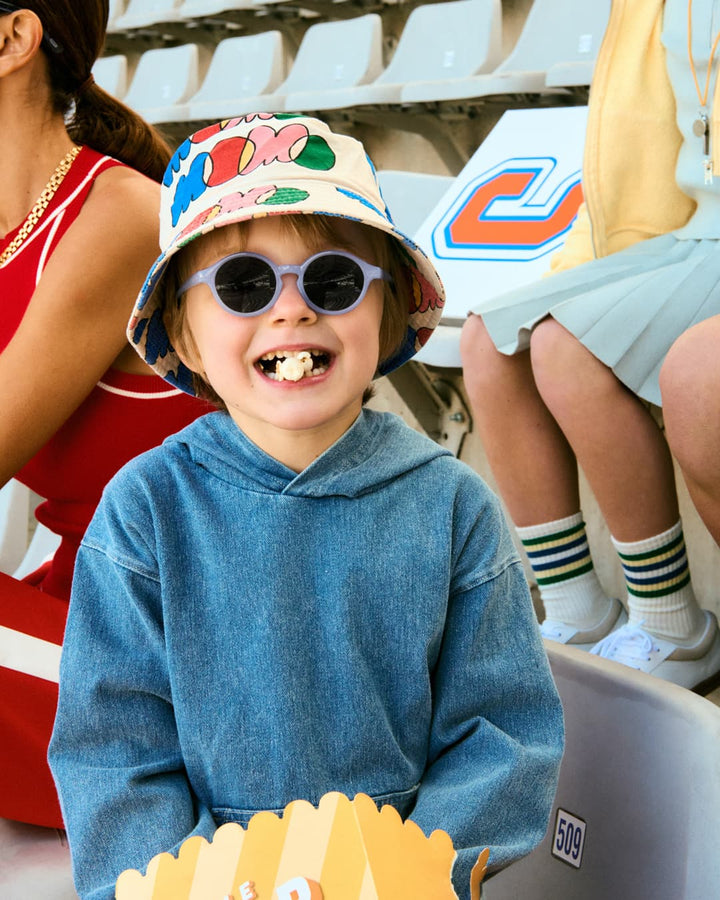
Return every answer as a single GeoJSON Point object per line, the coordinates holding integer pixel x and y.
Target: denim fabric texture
{"type": "Point", "coordinates": [241, 636]}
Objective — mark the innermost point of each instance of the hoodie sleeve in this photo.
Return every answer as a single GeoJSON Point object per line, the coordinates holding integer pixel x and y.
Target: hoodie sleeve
{"type": "Point", "coordinates": [115, 753]}
{"type": "Point", "coordinates": [497, 732]}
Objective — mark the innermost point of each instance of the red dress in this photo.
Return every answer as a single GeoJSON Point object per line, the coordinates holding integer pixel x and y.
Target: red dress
{"type": "Point", "coordinates": [124, 415]}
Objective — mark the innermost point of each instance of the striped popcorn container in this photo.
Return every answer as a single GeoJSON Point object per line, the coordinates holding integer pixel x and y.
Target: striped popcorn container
{"type": "Point", "coordinates": [342, 850]}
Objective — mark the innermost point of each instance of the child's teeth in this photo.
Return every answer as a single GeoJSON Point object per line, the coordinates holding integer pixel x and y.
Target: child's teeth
{"type": "Point", "coordinates": [292, 365]}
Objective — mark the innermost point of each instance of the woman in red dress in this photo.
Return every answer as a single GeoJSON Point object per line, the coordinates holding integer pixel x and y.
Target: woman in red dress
{"type": "Point", "coordinates": [78, 219]}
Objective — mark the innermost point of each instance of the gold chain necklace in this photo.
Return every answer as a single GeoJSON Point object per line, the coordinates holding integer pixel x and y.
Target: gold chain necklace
{"type": "Point", "coordinates": [701, 125]}
{"type": "Point", "coordinates": [56, 179]}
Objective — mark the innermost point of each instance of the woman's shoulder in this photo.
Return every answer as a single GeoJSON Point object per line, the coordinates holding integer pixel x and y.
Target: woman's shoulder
{"type": "Point", "coordinates": [123, 192]}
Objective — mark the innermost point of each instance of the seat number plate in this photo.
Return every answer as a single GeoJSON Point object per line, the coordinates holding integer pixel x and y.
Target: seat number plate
{"type": "Point", "coordinates": [569, 838]}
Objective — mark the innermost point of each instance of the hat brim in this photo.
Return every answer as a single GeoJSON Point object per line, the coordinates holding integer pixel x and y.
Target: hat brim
{"type": "Point", "coordinates": [147, 332]}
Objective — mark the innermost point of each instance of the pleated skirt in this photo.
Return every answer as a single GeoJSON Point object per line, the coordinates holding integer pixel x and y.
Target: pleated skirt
{"type": "Point", "coordinates": [627, 308]}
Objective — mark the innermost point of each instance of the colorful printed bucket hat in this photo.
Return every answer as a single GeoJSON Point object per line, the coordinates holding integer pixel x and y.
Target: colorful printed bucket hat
{"type": "Point", "coordinates": [270, 164]}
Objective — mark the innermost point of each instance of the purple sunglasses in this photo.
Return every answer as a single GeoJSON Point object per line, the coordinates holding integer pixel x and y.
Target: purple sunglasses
{"type": "Point", "coordinates": [247, 284]}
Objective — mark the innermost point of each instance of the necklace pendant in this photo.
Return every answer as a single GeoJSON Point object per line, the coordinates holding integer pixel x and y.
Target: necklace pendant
{"type": "Point", "coordinates": [700, 125]}
{"type": "Point", "coordinates": [708, 170]}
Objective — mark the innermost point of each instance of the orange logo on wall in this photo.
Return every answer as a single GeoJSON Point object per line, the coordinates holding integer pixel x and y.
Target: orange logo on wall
{"type": "Point", "coordinates": [517, 211]}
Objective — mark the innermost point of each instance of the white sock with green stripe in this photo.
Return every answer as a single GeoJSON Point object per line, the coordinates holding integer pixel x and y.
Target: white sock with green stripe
{"type": "Point", "coordinates": [660, 595]}
{"type": "Point", "coordinates": [560, 559]}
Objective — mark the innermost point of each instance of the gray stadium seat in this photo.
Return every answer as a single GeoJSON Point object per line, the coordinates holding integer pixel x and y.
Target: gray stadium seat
{"type": "Point", "coordinates": [196, 9]}
{"type": "Point", "coordinates": [637, 809]}
{"type": "Point", "coordinates": [164, 80]}
{"type": "Point", "coordinates": [14, 517]}
{"type": "Point", "coordinates": [410, 196]}
{"type": "Point", "coordinates": [559, 37]}
{"type": "Point", "coordinates": [439, 40]}
{"type": "Point", "coordinates": [333, 55]}
{"type": "Point", "coordinates": [241, 71]}
{"type": "Point", "coordinates": [116, 8]}
{"type": "Point", "coordinates": [34, 862]}
{"type": "Point", "coordinates": [144, 13]}
{"type": "Point", "coordinates": [111, 73]}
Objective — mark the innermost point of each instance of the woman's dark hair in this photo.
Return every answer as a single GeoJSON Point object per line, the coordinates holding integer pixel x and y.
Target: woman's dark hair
{"type": "Point", "coordinates": [75, 35]}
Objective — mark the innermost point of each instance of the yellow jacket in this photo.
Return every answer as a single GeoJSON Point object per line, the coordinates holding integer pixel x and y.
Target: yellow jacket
{"type": "Point", "coordinates": [631, 142]}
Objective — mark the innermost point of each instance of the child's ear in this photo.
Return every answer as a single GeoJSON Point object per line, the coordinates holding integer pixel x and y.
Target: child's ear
{"type": "Point", "coordinates": [21, 34]}
{"type": "Point", "coordinates": [187, 350]}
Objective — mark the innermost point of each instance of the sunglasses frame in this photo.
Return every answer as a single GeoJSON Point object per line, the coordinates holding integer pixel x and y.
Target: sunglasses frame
{"type": "Point", "coordinates": [207, 276]}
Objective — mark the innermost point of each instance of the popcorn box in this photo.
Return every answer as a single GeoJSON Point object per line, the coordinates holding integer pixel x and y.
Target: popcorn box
{"type": "Point", "coordinates": [343, 850]}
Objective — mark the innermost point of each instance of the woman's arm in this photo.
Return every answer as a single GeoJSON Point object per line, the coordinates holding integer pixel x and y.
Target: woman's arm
{"type": "Point", "coordinates": [74, 327]}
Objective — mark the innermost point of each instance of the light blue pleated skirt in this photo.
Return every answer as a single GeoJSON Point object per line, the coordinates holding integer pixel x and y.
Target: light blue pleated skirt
{"type": "Point", "coordinates": [627, 308]}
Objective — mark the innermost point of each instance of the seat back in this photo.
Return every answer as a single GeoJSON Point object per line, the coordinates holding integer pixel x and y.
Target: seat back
{"type": "Point", "coordinates": [453, 39]}
{"type": "Point", "coordinates": [14, 517]}
{"type": "Point", "coordinates": [164, 78]}
{"type": "Point", "coordinates": [558, 32]}
{"type": "Point", "coordinates": [111, 73]}
{"type": "Point", "coordinates": [141, 13]}
{"type": "Point", "coordinates": [410, 196]}
{"type": "Point", "coordinates": [241, 67]}
{"type": "Point", "coordinates": [337, 54]}
{"type": "Point", "coordinates": [637, 809]}
{"type": "Point", "coordinates": [34, 862]}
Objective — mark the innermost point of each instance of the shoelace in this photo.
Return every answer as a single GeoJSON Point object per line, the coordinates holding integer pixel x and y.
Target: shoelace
{"type": "Point", "coordinates": [629, 644]}
{"type": "Point", "coordinates": [551, 630]}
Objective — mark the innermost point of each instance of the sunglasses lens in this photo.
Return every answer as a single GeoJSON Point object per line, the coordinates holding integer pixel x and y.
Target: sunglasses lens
{"type": "Point", "coordinates": [333, 282]}
{"type": "Point", "coordinates": [245, 284]}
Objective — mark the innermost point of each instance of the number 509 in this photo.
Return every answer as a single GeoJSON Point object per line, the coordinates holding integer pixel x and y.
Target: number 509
{"type": "Point", "coordinates": [569, 838]}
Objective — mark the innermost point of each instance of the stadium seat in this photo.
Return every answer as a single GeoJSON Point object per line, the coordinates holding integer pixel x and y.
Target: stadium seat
{"type": "Point", "coordinates": [439, 41]}
{"type": "Point", "coordinates": [116, 8]}
{"type": "Point", "coordinates": [34, 862]}
{"type": "Point", "coordinates": [558, 37]}
{"type": "Point", "coordinates": [41, 548]}
{"type": "Point", "coordinates": [197, 9]}
{"type": "Point", "coordinates": [111, 73]}
{"type": "Point", "coordinates": [164, 80]}
{"type": "Point", "coordinates": [14, 516]}
{"type": "Point", "coordinates": [333, 55]}
{"type": "Point", "coordinates": [20, 555]}
{"type": "Point", "coordinates": [144, 13]}
{"type": "Point", "coordinates": [637, 809]}
{"type": "Point", "coordinates": [242, 69]}
{"type": "Point", "coordinates": [410, 196]}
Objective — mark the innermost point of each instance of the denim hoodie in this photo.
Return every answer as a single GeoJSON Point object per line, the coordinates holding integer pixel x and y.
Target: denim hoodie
{"type": "Point", "coordinates": [241, 635]}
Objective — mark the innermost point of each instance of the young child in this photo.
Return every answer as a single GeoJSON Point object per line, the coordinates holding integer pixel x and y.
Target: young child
{"type": "Point", "coordinates": [295, 594]}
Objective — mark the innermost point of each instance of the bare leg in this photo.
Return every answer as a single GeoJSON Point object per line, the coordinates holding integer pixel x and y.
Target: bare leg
{"type": "Point", "coordinates": [530, 458]}
{"type": "Point", "coordinates": [690, 385]}
{"type": "Point", "coordinates": [617, 442]}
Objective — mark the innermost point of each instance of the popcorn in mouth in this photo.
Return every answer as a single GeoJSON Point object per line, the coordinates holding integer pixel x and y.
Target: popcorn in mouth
{"type": "Point", "coordinates": [293, 365]}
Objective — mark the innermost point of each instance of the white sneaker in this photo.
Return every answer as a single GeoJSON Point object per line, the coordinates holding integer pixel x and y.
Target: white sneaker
{"type": "Point", "coordinates": [693, 665]}
{"type": "Point", "coordinates": [586, 639]}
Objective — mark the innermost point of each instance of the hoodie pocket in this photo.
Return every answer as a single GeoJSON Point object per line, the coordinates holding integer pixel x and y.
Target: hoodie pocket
{"type": "Point", "coordinates": [402, 801]}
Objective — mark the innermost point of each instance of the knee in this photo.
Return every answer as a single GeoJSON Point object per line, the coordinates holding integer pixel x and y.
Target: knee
{"type": "Point", "coordinates": [690, 374]}
{"type": "Point", "coordinates": [565, 371]}
{"type": "Point", "coordinates": [554, 354]}
{"type": "Point", "coordinates": [690, 388]}
{"type": "Point", "coordinates": [481, 360]}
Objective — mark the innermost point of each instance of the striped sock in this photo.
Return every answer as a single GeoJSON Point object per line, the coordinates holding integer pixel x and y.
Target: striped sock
{"type": "Point", "coordinates": [560, 559]}
{"type": "Point", "coordinates": [660, 594]}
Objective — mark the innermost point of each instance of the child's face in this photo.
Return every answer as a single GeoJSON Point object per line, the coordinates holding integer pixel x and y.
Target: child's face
{"type": "Point", "coordinates": [294, 421]}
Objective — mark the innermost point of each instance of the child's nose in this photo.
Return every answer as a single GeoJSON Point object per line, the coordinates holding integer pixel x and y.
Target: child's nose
{"type": "Point", "coordinates": [290, 306]}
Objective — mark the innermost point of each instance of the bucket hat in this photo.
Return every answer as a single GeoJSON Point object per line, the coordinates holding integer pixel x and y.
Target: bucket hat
{"type": "Point", "coordinates": [261, 165]}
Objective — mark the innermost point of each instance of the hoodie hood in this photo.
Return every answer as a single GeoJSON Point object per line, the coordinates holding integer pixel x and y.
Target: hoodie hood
{"type": "Point", "coordinates": [376, 449]}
